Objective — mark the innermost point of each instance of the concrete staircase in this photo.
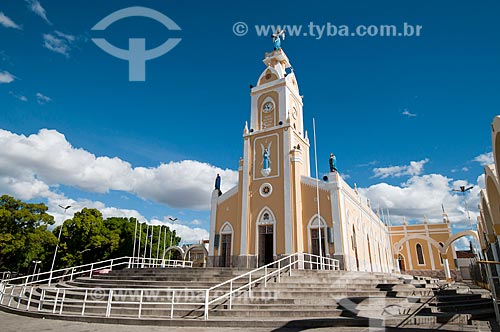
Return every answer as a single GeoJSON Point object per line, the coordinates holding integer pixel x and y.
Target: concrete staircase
{"type": "Point", "coordinates": [307, 298]}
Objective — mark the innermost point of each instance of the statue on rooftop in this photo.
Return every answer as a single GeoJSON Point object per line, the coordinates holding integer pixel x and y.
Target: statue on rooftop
{"type": "Point", "coordinates": [277, 38]}
{"type": "Point", "coordinates": [217, 184]}
{"type": "Point", "coordinates": [333, 163]}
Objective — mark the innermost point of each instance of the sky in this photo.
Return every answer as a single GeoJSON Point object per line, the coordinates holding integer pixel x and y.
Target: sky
{"type": "Point", "coordinates": [408, 117]}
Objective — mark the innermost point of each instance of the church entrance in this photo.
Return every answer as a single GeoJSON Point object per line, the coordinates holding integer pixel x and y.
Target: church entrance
{"type": "Point", "coordinates": [401, 262]}
{"type": "Point", "coordinates": [225, 255]}
{"type": "Point", "coordinates": [266, 244]}
{"type": "Point", "coordinates": [315, 243]}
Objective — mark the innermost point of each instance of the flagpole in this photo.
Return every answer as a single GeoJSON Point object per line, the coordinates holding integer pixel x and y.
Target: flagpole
{"type": "Point", "coordinates": [317, 197]}
{"type": "Point", "coordinates": [164, 241]}
{"type": "Point", "coordinates": [146, 242]}
{"type": "Point", "coordinates": [139, 243]}
{"type": "Point", "coordinates": [159, 240]}
{"type": "Point", "coordinates": [135, 238]}
{"type": "Point", "coordinates": [151, 246]}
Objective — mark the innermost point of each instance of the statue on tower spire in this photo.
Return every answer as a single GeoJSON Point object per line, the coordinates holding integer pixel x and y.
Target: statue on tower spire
{"type": "Point", "coordinates": [277, 38]}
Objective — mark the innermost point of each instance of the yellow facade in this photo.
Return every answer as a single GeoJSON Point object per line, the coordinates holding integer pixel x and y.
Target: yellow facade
{"type": "Point", "coordinates": [274, 209]}
{"type": "Point", "coordinates": [489, 207]}
{"type": "Point", "coordinates": [418, 248]}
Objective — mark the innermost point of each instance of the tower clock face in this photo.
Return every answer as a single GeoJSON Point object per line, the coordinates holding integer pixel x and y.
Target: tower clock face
{"type": "Point", "coordinates": [294, 113]}
{"type": "Point", "coordinates": [268, 107]}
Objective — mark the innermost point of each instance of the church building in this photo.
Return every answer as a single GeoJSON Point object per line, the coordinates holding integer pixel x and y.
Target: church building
{"type": "Point", "coordinates": [277, 208]}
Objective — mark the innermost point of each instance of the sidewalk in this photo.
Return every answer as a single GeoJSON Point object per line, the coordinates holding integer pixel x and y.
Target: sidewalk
{"type": "Point", "coordinates": [15, 323]}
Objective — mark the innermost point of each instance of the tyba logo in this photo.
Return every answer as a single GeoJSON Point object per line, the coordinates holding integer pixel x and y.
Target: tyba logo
{"type": "Point", "coordinates": [136, 55]}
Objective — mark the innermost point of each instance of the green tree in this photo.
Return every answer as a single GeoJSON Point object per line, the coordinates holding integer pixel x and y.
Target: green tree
{"type": "Point", "coordinates": [84, 239]}
{"type": "Point", "coordinates": [23, 234]}
{"type": "Point", "coordinates": [121, 231]}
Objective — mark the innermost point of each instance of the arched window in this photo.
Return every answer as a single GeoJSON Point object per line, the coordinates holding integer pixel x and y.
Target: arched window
{"type": "Point", "coordinates": [420, 254]}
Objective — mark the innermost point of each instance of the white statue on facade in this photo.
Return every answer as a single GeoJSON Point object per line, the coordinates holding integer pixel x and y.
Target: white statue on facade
{"type": "Point", "coordinates": [266, 161]}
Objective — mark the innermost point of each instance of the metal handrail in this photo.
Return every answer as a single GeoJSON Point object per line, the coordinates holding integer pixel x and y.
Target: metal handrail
{"type": "Point", "coordinates": [493, 289]}
{"type": "Point", "coordinates": [326, 262]}
{"type": "Point", "coordinates": [91, 268]}
{"type": "Point", "coordinates": [489, 262]}
{"type": "Point", "coordinates": [201, 297]}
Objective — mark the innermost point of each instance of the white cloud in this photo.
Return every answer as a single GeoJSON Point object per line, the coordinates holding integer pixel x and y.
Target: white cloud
{"type": "Point", "coordinates": [30, 165]}
{"type": "Point", "coordinates": [19, 97]}
{"type": "Point", "coordinates": [463, 243]}
{"type": "Point", "coordinates": [423, 195]}
{"type": "Point", "coordinates": [188, 234]}
{"type": "Point", "coordinates": [370, 163]}
{"type": "Point", "coordinates": [408, 113]}
{"type": "Point", "coordinates": [42, 99]}
{"type": "Point", "coordinates": [69, 38]}
{"type": "Point", "coordinates": [485, 158]}
{"type": "Point", "coordinates": [6, 77]}
{"type": "Point", "coordinates": [55, 199]}
{"type": "Point", "coordinates": [415, 168]}
{"type": "Point", "coordinates": [7, 22]}
{"type": "Point", "coordinates": [23, 187]}
{"type": "Point", "coordinates": [58, 42]}
{"type": "Point", "coordinates": [481, 181]}
{"type": "Point", "coordinates": [36, 7]}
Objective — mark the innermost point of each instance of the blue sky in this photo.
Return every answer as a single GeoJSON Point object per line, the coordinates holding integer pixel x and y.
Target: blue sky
{"type": "Point", "coordinates": [408, 118]}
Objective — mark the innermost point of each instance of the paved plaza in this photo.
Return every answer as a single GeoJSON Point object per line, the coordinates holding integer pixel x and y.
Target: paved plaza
{"type": "Point", "coordinates": [16, 323]}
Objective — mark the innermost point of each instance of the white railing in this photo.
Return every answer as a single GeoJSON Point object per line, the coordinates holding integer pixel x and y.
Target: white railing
{"type": "Point", "coordinates": [5, 275]}
{"type": "Point", "coordinates": [140, 262]}
{"type": "Point", "coordinates": [95, 268]}
{"type": "Point", "coordinates": [493, 274]}
{"type": "Point", "coordinates": [54, 299]}
{"type": "Point", "coordinates": [271, 270]}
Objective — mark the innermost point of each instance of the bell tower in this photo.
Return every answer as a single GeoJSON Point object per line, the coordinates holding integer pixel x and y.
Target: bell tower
{"type": "Point", "coordinates": [277, 209]}
{"type": "Point", "coordinates": [275, 157]}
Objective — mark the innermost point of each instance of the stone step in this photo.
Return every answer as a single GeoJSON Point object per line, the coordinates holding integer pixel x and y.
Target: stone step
{"type": "Point", "coordinates": [462, 306]}
{"type": "Point", "coordinates": [313, 280]}
{"type": "Point", "coordinates": [459, 298]}
{"type": "Point", "coordinates": [361, 301]}
{"type": "Point", "coordinates": [171, 278]}
{"type": "Point", "coordinates": [310, 297]}
{"type": "Point", "coordinates": [219, 310]}
{"type": "Point", "coordinates": [147, 284]}
{"type": "Point", "coordinates": [164, 310]}
{"type": "Point", "coordinates": [177, 271]}
{"type": "Point", "coordinates": [434, 322]}
{"type": "Point", "coordinates": [336, 293]}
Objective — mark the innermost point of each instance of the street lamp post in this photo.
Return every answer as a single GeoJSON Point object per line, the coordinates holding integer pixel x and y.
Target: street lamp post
{"type": "Point", "coordinates": [164, 241]}
{"type": "Point", "coordinates": [135, 238]}
{"type": "Point", "coordinates": [158, 248]}
{"type": "Point", "coordinates": [317, 199]}
{"type": "Point", "coordinates": [65, 208]}
{"type": "Point", "coordinates": [171, 234]}
{"type": "Point", "coordinates": [137, 259]}
{"type": "Point", "coordinates": [34, 270]}
{"type": "Point", "coordinates": [464, 190]}
{"type": "Point", "coordinates": [151, 245]}
{"type": "Point", "coordinates": [146, 242]}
